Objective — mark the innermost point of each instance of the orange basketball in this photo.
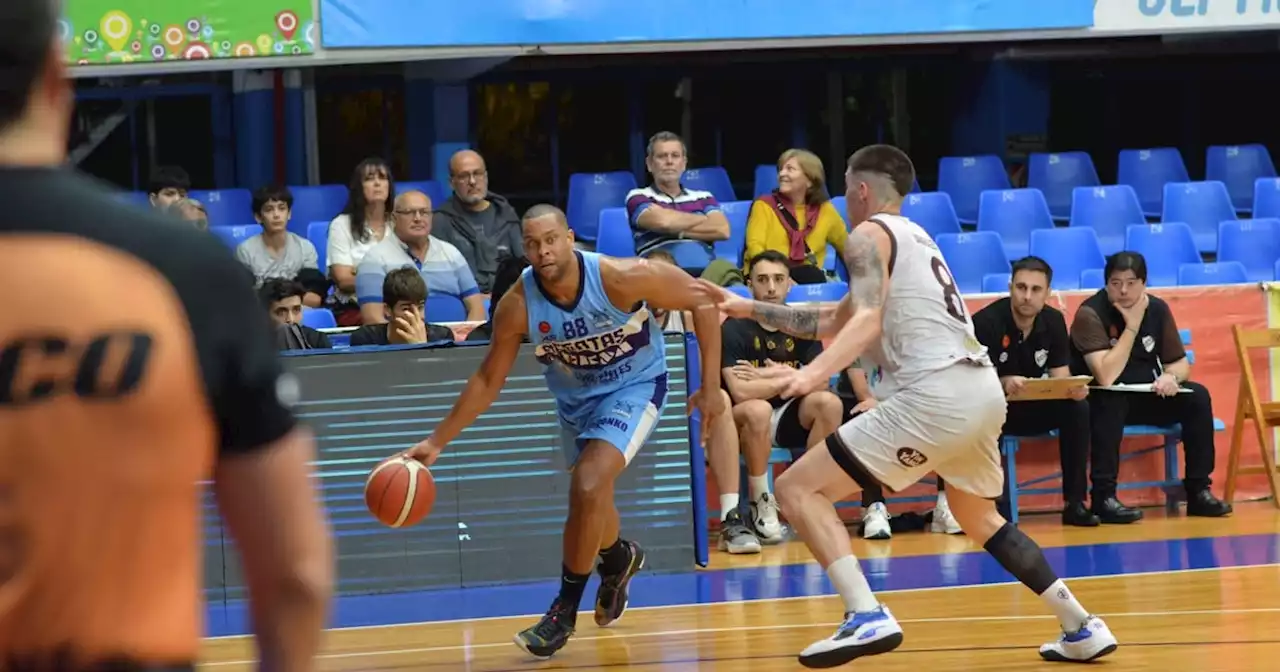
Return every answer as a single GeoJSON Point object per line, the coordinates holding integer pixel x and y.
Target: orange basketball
{"type": "Point", "coordinates": [399, 492]}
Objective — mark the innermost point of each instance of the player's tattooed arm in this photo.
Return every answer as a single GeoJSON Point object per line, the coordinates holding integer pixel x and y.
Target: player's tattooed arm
{"type": "Point", "coordinates": [810, 322]}
{"type": "Point", "coordinates": [866, 270]}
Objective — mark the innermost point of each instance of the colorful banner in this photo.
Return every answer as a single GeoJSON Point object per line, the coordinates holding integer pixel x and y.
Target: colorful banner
{"type": "Point", "coordinates": [1184, 15]}
{"type": "Point", "coordinates": [100, 32]}
{"type": "Point", "coordinates": [414, 23]}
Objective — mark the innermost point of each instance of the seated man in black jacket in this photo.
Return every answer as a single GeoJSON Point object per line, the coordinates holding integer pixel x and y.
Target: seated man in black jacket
{"type": "Point", "coordinates": [283, 300]}
{"type": "Point", "coordinates": [404, 298]}
{"type": "Point", "coordinates": [509, 270]}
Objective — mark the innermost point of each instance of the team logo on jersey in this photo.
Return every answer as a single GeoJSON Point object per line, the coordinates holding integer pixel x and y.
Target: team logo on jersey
{"type": "Point", "coordinates": [544, 327]}
{"type": "Point", "coordinates": [790, 344]}
{"type": "Point", "coordinates": [595, 351]}
{"type": "Point", "coordinates": [1148, 343]}
{"type": "Point", "coordinates": [910, 457]}
{"type": "Point", "coordinates": [601, 320]}
{"type": "Point", "coordinates": [1004, 357]}
{"type": "Point", "coordinates": [1042, 356]}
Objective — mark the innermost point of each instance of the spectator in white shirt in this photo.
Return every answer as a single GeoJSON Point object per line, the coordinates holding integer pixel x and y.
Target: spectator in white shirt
{"type": "Point", "coordinates": [364, 222]}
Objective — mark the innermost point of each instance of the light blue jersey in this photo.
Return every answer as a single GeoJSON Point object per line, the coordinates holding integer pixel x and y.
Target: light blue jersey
{"type": "Point", "coordinates": [606, 367]}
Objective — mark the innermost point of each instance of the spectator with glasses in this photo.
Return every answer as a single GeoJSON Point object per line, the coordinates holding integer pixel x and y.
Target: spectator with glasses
{"type": "Point", "coordinates": [481, 224]}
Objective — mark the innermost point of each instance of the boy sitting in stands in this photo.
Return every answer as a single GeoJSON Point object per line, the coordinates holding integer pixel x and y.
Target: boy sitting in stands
{"type": "Point", "coordinates": [404, 297]}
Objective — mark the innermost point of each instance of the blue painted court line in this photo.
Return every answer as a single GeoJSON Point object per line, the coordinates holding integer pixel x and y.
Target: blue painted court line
{"type": "Point", "coordinates": [784, 581]}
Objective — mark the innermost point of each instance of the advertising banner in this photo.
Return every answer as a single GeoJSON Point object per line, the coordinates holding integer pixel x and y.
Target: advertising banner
{"type": "Point", "coordinates": [1127, 16]}
{"type": "Point", "coordinates": [100, 32]}
{"type": "Point", "coordinates": [413, 23]}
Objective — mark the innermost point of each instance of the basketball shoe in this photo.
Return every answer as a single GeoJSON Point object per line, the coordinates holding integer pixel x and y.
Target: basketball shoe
{"type": "Point", "coordinates": [551, 633]}
{"type": "Point", "coordinates": [1092, 641]}
{"type": "Point", "coordinates": [611, 597]}
{"type": "Point", "coordinates": [865, 633]}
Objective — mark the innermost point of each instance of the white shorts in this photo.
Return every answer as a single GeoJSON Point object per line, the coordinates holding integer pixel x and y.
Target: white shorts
{"type": "Point", "coordinates": [948, 423]}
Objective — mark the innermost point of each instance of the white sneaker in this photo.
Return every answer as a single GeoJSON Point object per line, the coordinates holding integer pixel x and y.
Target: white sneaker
{"type": "Point", "coordinates": [1092, 641]}
{"type": "Point", "coordinates": [764, 518]}
{"type": "Point", "coordinates": [866, 633]}
{"type": "Point", "coordinates": [943, 522]}
{"type": "Point", "coordinates": [875, 522]}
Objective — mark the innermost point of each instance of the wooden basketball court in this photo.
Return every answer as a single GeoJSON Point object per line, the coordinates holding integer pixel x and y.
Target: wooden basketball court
{"type": "Point", "coordinates": [1224, 616]}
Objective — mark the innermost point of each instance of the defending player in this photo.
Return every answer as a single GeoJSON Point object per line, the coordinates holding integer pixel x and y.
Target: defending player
{"type": "Point", "coordinates": [941, 409]}
{"type": "Point", "coordinates": [589, 318]}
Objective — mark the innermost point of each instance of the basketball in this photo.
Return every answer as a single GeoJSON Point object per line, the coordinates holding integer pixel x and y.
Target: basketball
{"type": "Point", "coordinates": [399, 491]}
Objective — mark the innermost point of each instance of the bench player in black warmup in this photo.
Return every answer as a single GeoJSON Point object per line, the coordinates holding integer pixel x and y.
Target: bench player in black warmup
{"type": "Point", "coordinates": [135, 362]}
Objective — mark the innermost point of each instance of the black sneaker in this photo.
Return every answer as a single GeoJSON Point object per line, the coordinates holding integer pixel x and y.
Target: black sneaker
{"type": "Point", "coordinates": [550, 634]}
{"type": "Point", "coordinates": [611, 597]}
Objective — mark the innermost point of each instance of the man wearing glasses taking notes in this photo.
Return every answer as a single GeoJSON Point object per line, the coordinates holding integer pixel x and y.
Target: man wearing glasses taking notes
{"type": "Point", "coordinates": [1128, 341]}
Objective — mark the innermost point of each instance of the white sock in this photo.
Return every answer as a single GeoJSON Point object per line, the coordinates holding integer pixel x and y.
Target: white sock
{"type": "Point", "coordinates": [728, 504]}
{"type": "Point", "coordinates": [758, 485]}
{"type": "Point", "coordinates": [847, 577]}
{"type": "Point", "coordinates": [1064, 605]}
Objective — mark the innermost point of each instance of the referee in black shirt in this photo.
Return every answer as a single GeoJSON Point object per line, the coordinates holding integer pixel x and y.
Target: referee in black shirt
{"type": "Point", "coordinates": [1027, 339]}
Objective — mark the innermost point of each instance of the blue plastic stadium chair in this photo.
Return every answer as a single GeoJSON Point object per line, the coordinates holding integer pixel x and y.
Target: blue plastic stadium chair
{"type": "Point", "coordinates": [234, 235]}
{"type": "Point", "coordinates": [1059, 174]}
{"type": "Point", "coordinates": [713, 179]}
{"type": "Point", "coordinates": [827, 291]}
{"type": "Point", "coordinates": [318, 234]}
{"type": "Point", "coordinates": [1201, 206]}
{"type": "Point", "coordinates": [615, 237]}
{"type": "Point", "coordinates": [972, 256]}
{"type": "Point", "coordinates": [1238, 167]}
{"type": "Point", "coordinates": [315, 204]}
{"type": "Point", "coordinates": [434, 190]}
{"type": "Point", "coordinates": [445, 308]}
{"type": "Point", "coordinates": [1254, 243]}
{"type": "Point", "coordinates": [996, 283]}
{"type": "Point", "coordinates": [766, 179]}
{"type": "Point", "coordinates": [1166, 247]}
{"type": "Point", "coordinates": [1147, 171]}
{"type": "Point", "coordinates": [933, 211]}
{"type": "Point", "coordinates": [318, 318]}
{"type": "Point", "coordinates": [1069, 252]}
{"type": "Point", "coordinates": [964, 178]}
{"type": "Point", "coordinates": [226, 207]}
{"type": "Point", "coordinates": [1220, 273]}
{"type": "Point", "coordinates": [842, 207]}
{"type": "Point", "coordinates": [1109, 211]}
{"type": "Point", "coordinates": [1014, 214]}
{"type": "Point", "coordinates": [1091, 278]}
{"type": "Point", "coordinates": [731, 250]}
{"type": "Point", "coordinates": [1266, 197]}
{"type": "Point", "coordinates": [589, 193]}
{"type": "Point", "coordinates": [740, 290]}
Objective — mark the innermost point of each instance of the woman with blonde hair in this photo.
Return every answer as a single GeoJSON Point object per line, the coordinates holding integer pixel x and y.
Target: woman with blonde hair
{"type": "Point", "coordinates": [797, 219]}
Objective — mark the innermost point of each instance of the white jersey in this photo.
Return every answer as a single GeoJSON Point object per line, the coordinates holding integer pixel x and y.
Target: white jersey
{"type": "Point", "coordinates": [926, 324]}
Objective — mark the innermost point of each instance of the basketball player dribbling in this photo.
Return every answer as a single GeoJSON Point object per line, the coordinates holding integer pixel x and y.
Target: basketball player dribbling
{"type": "Point", "coordinates": [941, 409]}
{"type": "Point", "coordinates": [589, 318]}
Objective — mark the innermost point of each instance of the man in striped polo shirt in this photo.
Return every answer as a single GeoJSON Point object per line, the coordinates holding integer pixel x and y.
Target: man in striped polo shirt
{"type": "Point", "coordinates": [667, 216]}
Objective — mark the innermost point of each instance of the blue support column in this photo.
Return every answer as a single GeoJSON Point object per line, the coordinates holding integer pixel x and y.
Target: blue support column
{"type": "Point", "coordinates": [255, 138]}
{"type": "Point", "coordinates": [1011, 99]}
{"type": "Point", "coordinates": [224, 143]}
{"type": "Point", "coordinates": [295, 132]}
{"type": "Point", "coordinates": [439, 125]}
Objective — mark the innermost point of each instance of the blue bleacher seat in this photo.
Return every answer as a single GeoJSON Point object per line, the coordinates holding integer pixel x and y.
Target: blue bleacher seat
{"type": "Point", "coordinates": [1091, 278]}
{"type": "Point", "coordinates": [740, 290]}
{"type": "Point", "coordinates": [1014, 214]}
{"type": "Point", "coordinates": [589, 193]}
{"type": "Point", "coordinates": [1147, 171]}
{"type": "Point", "coordinates": [139, 198]}
{"type": "Point", "coordinates": [1069, 252]}
{"type": "Point", "coordinates": [445, 308]}
{"type": "Point", "coordinates": [1201, 206]}
{"type": "Point", "coordinates": [972, 256]}
{"type": "Point", "coordinates": [1219, 273]}
{"type": "Point", "coordinates": [1266, 197]}
{"type": "Point", "coordinates": [318, 318]}
{"type": "Point", "coordinates": [766, 179]}
{"type": "Point", "coordinates": [434, 190]}
{"type": "Point", "coordinates": [713, 179]}
{"type": "Point", "coordinates": [315, 204]}
{"type": "Point", "coordinates": [614, 237]}
{"type": "Point", "coordinates": [731, 250]}
{"type": "Point", "coordinates": [996, 283]}
{"type": "Point", "coordinates": [842, 207]}
{"type": "Point", "coordinates": [1255, 243]}
{"type": "Point", "coordinates": [1108, 211]}
{"type": "Point", "coordinates": [234, 235]}
{"type": "Point", "coordinates": [827, 291]}
{"type": "Point", "coordinates": [1057, 175]}
{"type": "Point", "coordinates": [933, 211]}
{"type": "Point", "coordinates": [226, 207]}
{"type": "Point", "coordinates": [964, 178]}
{"type": "Point", "coordinates": [1239, 167]}
{"type": "Point", "coordinates": [1166, 247]}
{"type": "Point", "coordinates": [318, 234]}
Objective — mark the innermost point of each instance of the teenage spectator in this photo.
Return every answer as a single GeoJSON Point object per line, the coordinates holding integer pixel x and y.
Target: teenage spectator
{"type": "Point", "coordinates": [509, 272]}
{"type": "Point", "coordinates": [364, 222]}
{"type": "Point", "coordinates": [411, 244]}
{"type": "Point", "coordinates": [404, 295]}
{"type": "Point", "coordinates": [169, 184]}
{"type": "Point", "coordinates": [1123, 335]}
{"type": "Point", "coordinates": [191, 210]}
{"type": "Point", "coordinates": [283, 300]}
{"type": "Point", "coordinates": [481, 224]}
{"type": "Point", "coordinates": [1027, 340]}
{"type": "Point", "coordinates": [797, 219]}
{"type": "Point", "coordinates": [665, 214]}
{"type": "Point", "coordinates": [751, 359]}
{"type": "Point", "coordinates": [278, 252]}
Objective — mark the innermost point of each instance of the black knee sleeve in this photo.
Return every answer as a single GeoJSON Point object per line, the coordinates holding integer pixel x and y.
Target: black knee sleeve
{"type": "Point", "coordinates": [1021, 557]}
